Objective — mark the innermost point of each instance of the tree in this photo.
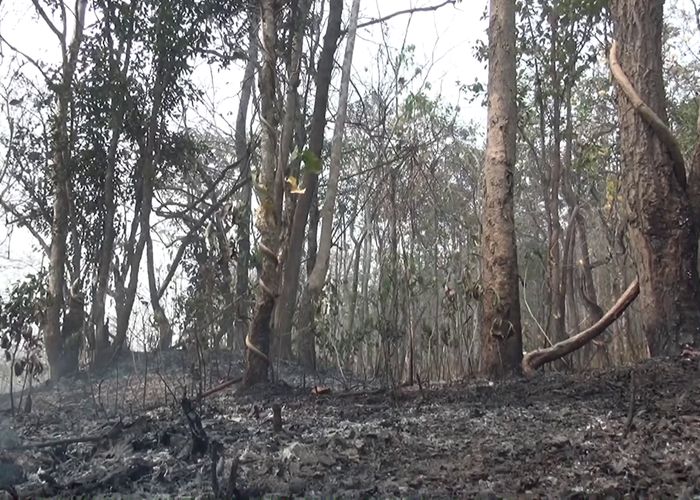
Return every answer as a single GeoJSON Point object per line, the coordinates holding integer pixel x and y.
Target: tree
{"type": "Point", "coordinates": [663, 233]}
{"type": "Point", "coordinates": [268, 219]}
{"type": "Point", "coordinates": [292, 262]}
{"type": "Point", "coordinates": [62, 343]}
{"type": "Point", "coordinates": [242, 294]}
{"type": "Point", "coordinates": [317, 277]}
{"type": "Point", "coordinates": [502, 348]}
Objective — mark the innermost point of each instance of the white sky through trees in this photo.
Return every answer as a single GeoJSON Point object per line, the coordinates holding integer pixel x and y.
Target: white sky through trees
{"type": "Point", "coordinates": [444, 43]}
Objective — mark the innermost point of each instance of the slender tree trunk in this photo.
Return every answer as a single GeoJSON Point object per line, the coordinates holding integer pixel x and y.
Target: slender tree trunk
{"type": "Point", "coordinates": [98, 328]}
{"type": "Point", "coordinates": [165, 332]}
{"type": "Point", "coordinates": [301, 211]}
{"type": "Point", "coordinates": [140, 228]}
{"type": "Point", "coordinates": [557, 321]}
{"type": "Point", "coordinates": [59, 364]}
{"type": "Point", "coordinates": [662, 232]}
{"type": "Point", "coordinates": [242, 304]}
{"type": "Point", "coordinates": [317, 276]}
{"type": "Point", "coordinates": [588, 289]}
{"type": "Point", "coordinates": [502, 348]}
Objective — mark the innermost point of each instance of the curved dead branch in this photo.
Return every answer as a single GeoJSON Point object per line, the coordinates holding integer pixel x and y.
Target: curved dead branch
{"type": "Point", "coordinates": [648, 115]}
{"type": "Point", "coordinates": [535, 359]}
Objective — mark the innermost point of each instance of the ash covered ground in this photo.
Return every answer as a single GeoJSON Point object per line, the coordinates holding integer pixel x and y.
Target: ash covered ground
{"type": "Point", "coordinates": [632, 431]}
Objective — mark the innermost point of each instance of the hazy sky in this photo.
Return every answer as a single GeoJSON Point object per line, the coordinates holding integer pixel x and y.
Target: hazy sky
{"type": "Point", "coordinates": [443, 41]}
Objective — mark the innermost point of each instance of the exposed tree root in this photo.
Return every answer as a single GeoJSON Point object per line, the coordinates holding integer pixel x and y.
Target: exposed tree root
{"type": "Point", "coordinates": [533, 360]}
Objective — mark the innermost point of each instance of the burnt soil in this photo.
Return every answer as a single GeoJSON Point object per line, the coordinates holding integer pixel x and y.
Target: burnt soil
{"type": "Point", "coordinates": [632, 431]}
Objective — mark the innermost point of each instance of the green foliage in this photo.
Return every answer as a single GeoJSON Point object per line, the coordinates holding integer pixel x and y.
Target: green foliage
{"type": "Point", "coordinates": [312, 163]}
{"type": "Point", "coordinates": [20, 315]}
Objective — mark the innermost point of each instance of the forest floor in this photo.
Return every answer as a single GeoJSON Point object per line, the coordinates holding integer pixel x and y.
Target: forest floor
{"type": "Point", "coordinates": [632, 431]}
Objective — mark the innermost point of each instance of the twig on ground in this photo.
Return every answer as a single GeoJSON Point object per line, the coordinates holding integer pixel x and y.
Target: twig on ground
{"type": "Point", "coordinates": [631, 408]}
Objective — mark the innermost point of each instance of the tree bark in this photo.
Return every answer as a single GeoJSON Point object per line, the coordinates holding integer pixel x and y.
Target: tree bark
{"type": "Point", "coordinates": [662, 232]}
{"type": "Point", "coordinates": [502, 348]}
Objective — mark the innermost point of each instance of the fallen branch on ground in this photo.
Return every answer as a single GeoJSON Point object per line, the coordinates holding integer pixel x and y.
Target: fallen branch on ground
{"type": "Point", "coordinates": [112, 433]}
{"type": "Point", "coordinates": [219, 388]}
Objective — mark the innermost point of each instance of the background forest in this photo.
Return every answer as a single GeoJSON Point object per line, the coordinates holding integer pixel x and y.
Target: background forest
{"type": "Point", "coordinates": [326, 216]}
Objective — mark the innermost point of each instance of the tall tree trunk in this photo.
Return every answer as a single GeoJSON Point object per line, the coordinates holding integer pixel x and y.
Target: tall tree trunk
{"type": "Point", "coordinates": [243, 306]}
{"type": "Point", "coordinates": [317, 276]}
{"type": "Point", "coordinates": [141, 226]}
{"type": "Point", "coordinates": [59, 364]}
{"type": "Point", "coordinates": [292, 263]}
{"type": "Point", "coordinates": [557, 320]}
{"type": "Point", "coordinates": [694, 175]}
{"type": "Point", "coordinates": [99, 331]}
{"type": "Point", "coordinates": [662, 232]}
{"type": "Point", "coordinates": [293, 122]}
{"type": "Point", "coordinates": [502, 348]}
{"type": "Point", "coordinates": [268, 220]}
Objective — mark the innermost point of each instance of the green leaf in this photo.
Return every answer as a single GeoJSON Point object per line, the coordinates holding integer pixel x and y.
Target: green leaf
{"type": "Point", "coordinates": [312, 163]}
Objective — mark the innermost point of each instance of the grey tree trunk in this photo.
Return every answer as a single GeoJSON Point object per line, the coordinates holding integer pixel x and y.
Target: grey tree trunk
{"type": "Point", "coordinates": [317, 276]}
{"type": "Point", "coordinates": [292, 122]}
{"type": "Point", "coordinates": [61, 364]}
{"type": "Point", "coordinates": [292, 264]}
{"type": "Point", "coordinates": [243, 306]}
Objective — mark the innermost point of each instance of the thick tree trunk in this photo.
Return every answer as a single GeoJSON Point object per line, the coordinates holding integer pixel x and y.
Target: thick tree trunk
{"type": "Point", "coordinates": [502, 348]}
{"type": "Point", "coordinates": [694, 176]}
{"type": "Point", "coordinates": [243, 305]}
{"type": "Point", "coordinates": [292, 265]}
{"type": "Point", "coordinates": [662, 232]}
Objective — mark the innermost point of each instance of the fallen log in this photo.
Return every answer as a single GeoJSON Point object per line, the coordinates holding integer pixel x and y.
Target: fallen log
{"type": "Point", "coordinates": [535, 359]}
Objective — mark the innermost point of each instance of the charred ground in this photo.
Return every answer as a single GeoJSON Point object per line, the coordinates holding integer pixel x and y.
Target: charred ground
{"type": "Point", "coordinates": [632, 431]}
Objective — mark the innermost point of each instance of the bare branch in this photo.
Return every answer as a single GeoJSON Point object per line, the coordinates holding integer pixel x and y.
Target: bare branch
{"type": "Point", "coordinates": [533, 360]}
{"type": "Point", "coordinates": [33, 61]}
{"type": "Point", "coordinates": [23, 221]}
{"type": "Point", "coordinates": [40, 10]}
{"type": "Point", "coordinates": [407, 11]}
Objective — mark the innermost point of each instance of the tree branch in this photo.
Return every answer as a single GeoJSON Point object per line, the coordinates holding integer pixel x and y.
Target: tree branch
{"type": "Point", "coordinates": [402, 12]}
{"type": "Point", "coordinates": [33, 61]}
{"type": "Point", "coordinates": [649, 116]}
{"type": "Point", "coordinates": [533, 360]}
{"type": "Point", "coordinates": [49, 23]}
